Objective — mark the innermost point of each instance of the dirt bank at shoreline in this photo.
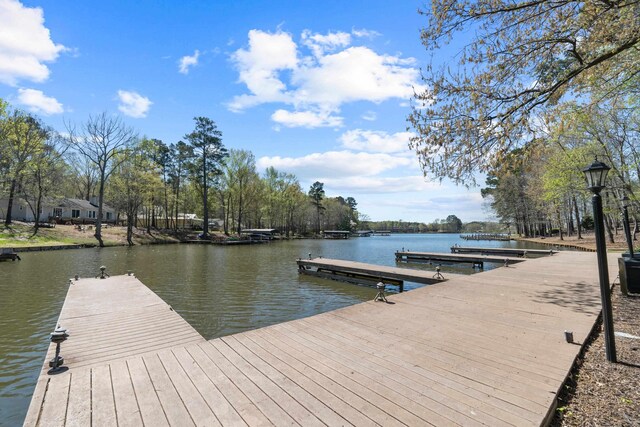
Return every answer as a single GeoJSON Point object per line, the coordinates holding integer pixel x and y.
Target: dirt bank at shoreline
{"type": "Point", "coordinates": [20, 235]}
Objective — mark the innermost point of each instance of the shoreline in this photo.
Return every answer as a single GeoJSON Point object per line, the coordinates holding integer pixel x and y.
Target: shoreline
{"type": "Point", "coordinates": [141, 237]}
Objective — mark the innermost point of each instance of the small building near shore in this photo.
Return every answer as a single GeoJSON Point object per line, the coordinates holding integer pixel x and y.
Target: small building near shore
{"type": "Point", "coordinates": [59, 210]}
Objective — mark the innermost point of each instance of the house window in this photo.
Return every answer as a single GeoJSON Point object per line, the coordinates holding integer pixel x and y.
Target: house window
{"type": "Point", "coordinates": [108, 216]}
{"type": "Point", "coordinates": [75, 213]}
{"type": "Point", "coordinates": [91, 214]}
{"type": "Point", "coordinates": [57, 212]}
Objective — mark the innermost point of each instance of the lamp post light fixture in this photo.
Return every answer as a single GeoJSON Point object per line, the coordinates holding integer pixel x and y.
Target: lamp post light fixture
{"type": "Point", "coordinates": [58, 336]}
{"type": "Point", "coordinates": [596, 175]}
{"type": "Point", "coordinates": [627, 231]}
{"type": "Point", "coordinates": [103, 273]}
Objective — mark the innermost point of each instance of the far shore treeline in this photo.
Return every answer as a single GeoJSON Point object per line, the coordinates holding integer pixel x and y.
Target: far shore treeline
{"type": "Point", "coordinates": [150, 182]}
{"type": "Point", "coordinates": [154, 184]}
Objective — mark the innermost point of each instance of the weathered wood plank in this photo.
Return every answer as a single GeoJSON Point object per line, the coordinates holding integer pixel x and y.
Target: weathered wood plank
{"type": "Point", "coordinates": [127, 411]}
{"type": "Point", "coordinates": [448, 393]}
{"type": "Point", "coordinates": [197, 407]}
{"type": "Point", "coordinates": [150, 408]}
{"type": "Point", "coordinates": [54, 407]}
{"type": "Point", "coordinates": [170, 400]}
{"type": "Point", "coordinates": [103, 409]}
{"type": "Point", "coordinates": [297, 411]}
{"type": "Point", "coordinates": [247, 410]}
{"type": "Point", "coordinates": [370, 412]}
{"type": "Point", "coordinates": [423, 394]}
{"type": "Point", "coordinates": [310, 402]}
{"type": "Point", "coordinates": [224, 412]}
{"type": "Point", "coordinates": [453, 355]}
{"type": "Point", "coordinates": [35, 408]}
{"type": "Point", "coordinates": [374, 390]}
{"type": "Point", "coordinates": [79, 407]}
{"type": "Point", "coordinates": [278, 361]}
{"type": "Point", "coordinates": [259, 398]}
{"type": "Point", "coordinates": [377, 406]}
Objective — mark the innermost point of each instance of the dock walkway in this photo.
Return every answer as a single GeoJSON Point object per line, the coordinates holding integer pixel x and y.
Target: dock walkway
{"type": "Point", "coordinates": [476, 260]}
{"type": "Point", "coordinates": [501, 251]}
{"type": "Point", "coordinates": [363, 273]}
{"type": "Point", "coordinates": [486, 349]}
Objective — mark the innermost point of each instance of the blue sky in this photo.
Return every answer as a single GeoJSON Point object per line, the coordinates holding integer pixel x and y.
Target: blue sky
{"type": "Point", "coordinates": [317, 89]}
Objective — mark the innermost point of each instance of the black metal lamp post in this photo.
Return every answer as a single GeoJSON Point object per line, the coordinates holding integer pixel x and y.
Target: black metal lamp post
{"type": "Point", "coordinates": [625, 212]}
{"type": "Point", "coordinates": [596, 175]}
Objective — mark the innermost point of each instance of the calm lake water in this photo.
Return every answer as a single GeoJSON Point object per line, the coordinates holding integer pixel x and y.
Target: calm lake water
{"type": "Point", "coordinates": [219, 290]}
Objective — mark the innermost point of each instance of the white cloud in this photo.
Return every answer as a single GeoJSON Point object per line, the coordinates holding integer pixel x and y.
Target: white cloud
{"type": "Point", "coordinates": [369, 116]}
{"type": "Point", "coordinates": [380, 185]}
{"type": "Point", "coordinates": [308, 119]}
{"type": "Point", "coordinates": [274, 70]}
{"type": "Point", "coordinates": [355, 74]}
{"type": "Point", "coordinates": [25, 44]}
{"type": "Point", "coordinates": [133, 104]}
{"type": "Point", "coordinates": [188, 61]}
{"type": "Point", "coordinates": [451, 200]}
{"type": "Point", "coordinates": [259, 66]}
{"type": "Point", "coordinates": [38, 102]}
{"type": "Point", "coordinates": [343, 164]}
{"type": "Point", "coordinates": [377, 141]}
{"type": "Point", "coordinates": [319, 44]}
{"type": "Point", "coordinates": [365, 33]}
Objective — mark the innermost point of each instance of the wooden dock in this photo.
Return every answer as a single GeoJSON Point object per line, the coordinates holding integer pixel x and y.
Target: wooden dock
{"type": "Point", "coordinates": [486, 236]}
{"type": "Point", "coordinates": [475, 260]}
{"type": "Point", "coordinates": [501, 251]}
{"type": "Point", "coordinates": [364, 274]}
{"type": "Point", "coordinates": [486, 349]}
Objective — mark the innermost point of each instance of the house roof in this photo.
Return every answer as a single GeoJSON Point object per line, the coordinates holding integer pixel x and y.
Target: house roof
{"type": "Point", "coordinates": [260, 230]}
{"type": "Point", "coordinates": [67, 202]}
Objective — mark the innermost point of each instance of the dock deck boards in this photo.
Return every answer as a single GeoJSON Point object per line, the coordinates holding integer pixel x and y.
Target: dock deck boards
{"type": "Point", "coordinates": [501, 251]}
{"type": "Point", "coordinates": [486, 349]}
{"type": "Point", "coordinates": [407, 256]}
{"type": "Point", "coordinates": [339, 268]}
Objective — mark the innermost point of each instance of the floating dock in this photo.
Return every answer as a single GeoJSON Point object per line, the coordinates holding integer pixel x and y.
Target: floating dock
{"type": "Point", "coordinates": [6, 256]}
{"type": "Point", "coordinates": [480, 350]}
{"type": "Point", "coordinates": [364, 274]}
{"type": "Point", "coordinates": [434, 257]}
{"type": "Point", "coordinates": [500, 251]}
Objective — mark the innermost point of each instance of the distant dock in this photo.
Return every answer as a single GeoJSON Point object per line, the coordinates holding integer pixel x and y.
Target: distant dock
{"type": "Point", "coordinates": [486, 236]}
{"type": "Point", "coordinates": [364, 274]}
{"type": "Point", "coordinates": [434, 257]}
{"type": "Point", "coordinates": [481, 350]}
{"type": "Point", "coordinates": [500, 251]}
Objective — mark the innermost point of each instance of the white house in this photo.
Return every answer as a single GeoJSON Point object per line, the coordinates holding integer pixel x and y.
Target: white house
{"type": "Point", "coordinates": [61, 210]}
